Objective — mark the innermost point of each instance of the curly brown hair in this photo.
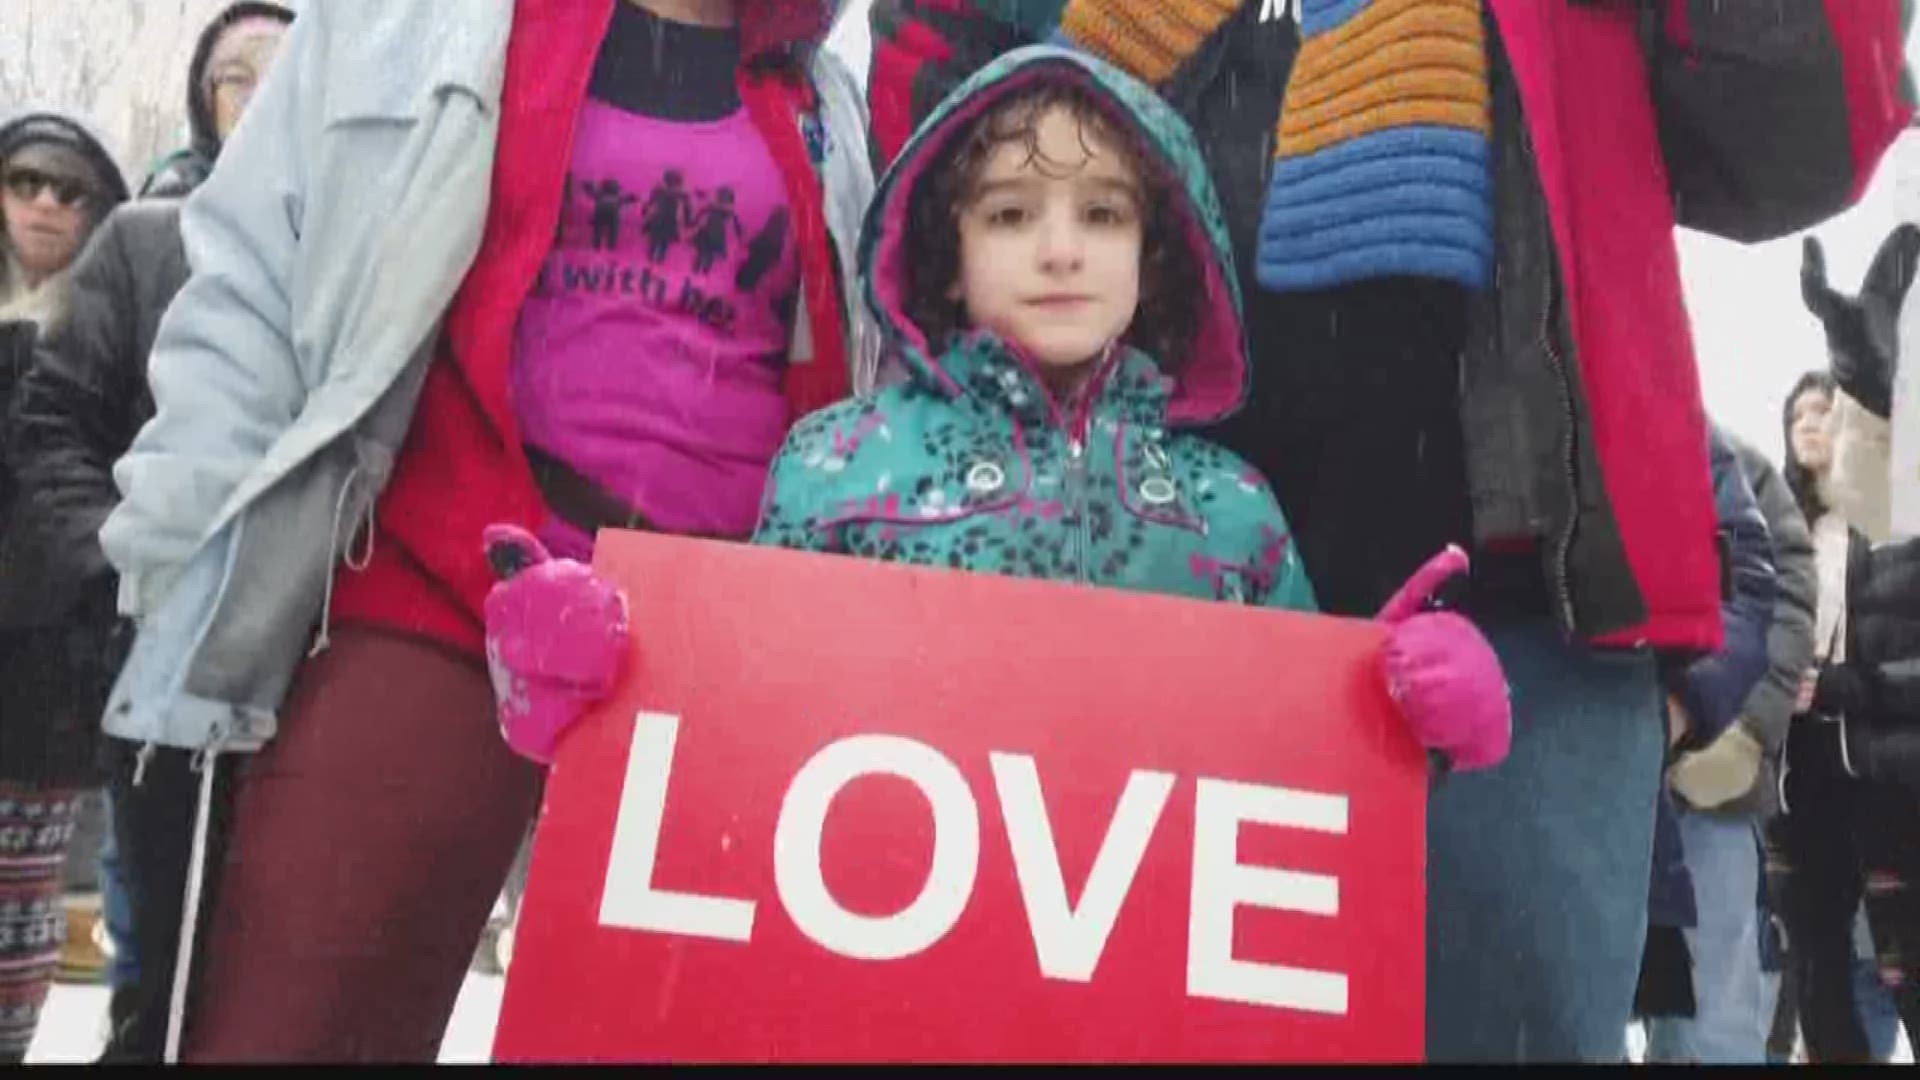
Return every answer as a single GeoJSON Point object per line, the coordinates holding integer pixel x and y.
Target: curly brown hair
{"type": "Point", "coordinates": [1167, 320]}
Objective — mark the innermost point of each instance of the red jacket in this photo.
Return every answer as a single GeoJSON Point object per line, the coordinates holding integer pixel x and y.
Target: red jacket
{"type": "Point", "coordinates": [1609, 156]}
{"type": "Point", "coordinates": [463, 466]}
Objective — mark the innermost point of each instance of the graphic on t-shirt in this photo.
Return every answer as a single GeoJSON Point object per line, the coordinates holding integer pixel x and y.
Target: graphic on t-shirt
{"type": "Point", "coordinates": [669, 209]}
{"type": "Point", "coordinates": [608, 201]}
{"type": "Point", "coordinates": [763, 253]}
{"type": "Point", "coordinates": [710, 231]}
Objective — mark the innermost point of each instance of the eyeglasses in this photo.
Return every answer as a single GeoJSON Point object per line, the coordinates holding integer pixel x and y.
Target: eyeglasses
{"type": "Point", "coordinates": [26, 185]}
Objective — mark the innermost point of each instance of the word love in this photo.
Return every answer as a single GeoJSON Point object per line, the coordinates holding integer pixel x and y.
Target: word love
{"type": "Point", "coordinates": [1069, 938]}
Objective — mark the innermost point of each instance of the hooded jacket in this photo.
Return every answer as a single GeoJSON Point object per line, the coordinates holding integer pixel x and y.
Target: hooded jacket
{"type": "Point", "coordinates": [1714, 688]}
{"type": "Point", "coordinates": [972, 463]}
{"type": "Point", "coordinates": [44, 128]}
{"type": "Point", "coordinates": [180, 172]}
{"type": "Point", "coordinates": [53, 661]}
{"type": "Point", "coordinates": [359, 261]}
{"type": "Point", "coordinates": [1614, 121]}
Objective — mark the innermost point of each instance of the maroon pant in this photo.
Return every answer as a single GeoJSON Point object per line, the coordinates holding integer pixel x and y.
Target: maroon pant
{"type": "Point", "coordinates": [370, 841]}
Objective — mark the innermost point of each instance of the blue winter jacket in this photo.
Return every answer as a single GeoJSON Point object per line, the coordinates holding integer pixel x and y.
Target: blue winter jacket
{"type": "Point", "coordinates": [1713, 688]}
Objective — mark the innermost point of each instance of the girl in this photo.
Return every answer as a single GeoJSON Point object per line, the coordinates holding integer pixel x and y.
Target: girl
{"type": "Point", "coordinates": [394, 278]}
{"type": "Point", "coordinates": [1048, 259]}
{"type": "Point", "coordinates": [57, 183]}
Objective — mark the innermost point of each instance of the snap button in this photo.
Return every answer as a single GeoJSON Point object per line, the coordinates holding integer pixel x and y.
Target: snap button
{"type": "Point", "coordinates": [1158, 490]}
{"type": "Point", "coordinates": [986, 477]}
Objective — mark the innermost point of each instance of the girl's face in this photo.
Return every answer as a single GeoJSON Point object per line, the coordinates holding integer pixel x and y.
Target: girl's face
{"type": "Point", "coordinates": [1811, 447]}
{"type": "Point", "coordinates": [1050, 244]}
{"type": "Point", "coordinates": [43, 204]}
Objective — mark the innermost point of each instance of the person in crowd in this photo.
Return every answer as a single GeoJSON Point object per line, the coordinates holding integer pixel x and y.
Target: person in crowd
{"type": "Point", "coordinates": [1737, 780]}
{"type": "Point", "coordinates": [1496, 360]}
{"type": "Point", "coordinates": [1871, 693]}
{"type": "Point", "coordinates": [77, 410]}
{"type": "Point", "coordinates": [423, 302]}
{"type": "Point", "coordinates": [232, 55]}
{"type": "Point", "coordinates": [1048, 260]}
{"type": "Point", "coordinates": [56, 184]}
{"type": "Point", "coordinates": [1704, 912]}
{"type": "Point", "coordinates": [1819, 891]}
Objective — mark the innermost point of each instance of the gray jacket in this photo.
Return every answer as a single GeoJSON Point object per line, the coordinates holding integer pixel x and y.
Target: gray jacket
{"type": "Point", "coordinates": [1770, 707]}
{"type": "Point", "coordinates": [325, 247]}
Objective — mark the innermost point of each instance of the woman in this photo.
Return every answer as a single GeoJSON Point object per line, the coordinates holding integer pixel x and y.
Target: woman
{"type": "Point", "coordinates": [1814, 856]}
{"type": "Point", "coordinates": [56, 184]}
{"type": "Point", "coordinates": [464, 300]}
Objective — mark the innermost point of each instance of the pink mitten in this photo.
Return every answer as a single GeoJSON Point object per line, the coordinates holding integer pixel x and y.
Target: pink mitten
{"type": "Point", "coordinates": [556, 634]}
{"type": "Point", "coordinates": [1443, 673]}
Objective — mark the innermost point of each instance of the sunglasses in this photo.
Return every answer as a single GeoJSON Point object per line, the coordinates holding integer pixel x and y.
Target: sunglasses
{"type": "Point", "coordinates": [27, 184]}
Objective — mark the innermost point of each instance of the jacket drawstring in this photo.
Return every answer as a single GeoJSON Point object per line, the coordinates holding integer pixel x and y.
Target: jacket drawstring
{"type": "Point", "coordinates": [205, 763]}
{"type": "Point", "coordinates": [324, 639]}
{"type": "Point", "coordinates": [140, 759]}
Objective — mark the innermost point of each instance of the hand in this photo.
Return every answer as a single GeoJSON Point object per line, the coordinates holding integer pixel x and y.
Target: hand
{"type": "Point", "coordinates": [1444, 675]}
{"type": "Point", "coordinates": [1678, 722]}
{"type": "Point", "coordinates": [556, 636]}
{"type": "Point", "coordinates": [1726, 770]}
{"type": "Point", "coordinates": [1819, 763]}
{"type": "Point", "coordinates": [1807, 684]}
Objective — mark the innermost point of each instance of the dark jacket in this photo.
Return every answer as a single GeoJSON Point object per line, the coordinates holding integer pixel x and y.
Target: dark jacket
{"type": "Point", "coordinates": [1714, 688]}
{"type": "Point", "coordinates": [50, 664]}
{"type": "Point", "coordinates": [82, 400]}
{"type": "Point", "coordinates": [1357, 412]}
{"type": "Point", "coordinates": [1770, 707]}
{"type": "Point", "coordinates": [1877, 688]}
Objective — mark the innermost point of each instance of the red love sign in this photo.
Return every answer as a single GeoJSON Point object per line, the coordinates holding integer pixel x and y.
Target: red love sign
{"type": "Point", "coordinates": [844, 811]}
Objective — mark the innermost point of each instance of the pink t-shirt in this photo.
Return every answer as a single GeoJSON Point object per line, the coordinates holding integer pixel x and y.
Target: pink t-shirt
{"type": "Point", "coordinates": [651, 352]}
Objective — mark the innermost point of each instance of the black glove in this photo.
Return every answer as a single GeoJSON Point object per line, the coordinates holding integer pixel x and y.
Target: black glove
{"type": "Point", "coordinates": [1861, 338]}
{"type": "Point", "coordinates": [1819, 760]}
{"type": "Point", "coordinates": [1841, 690]}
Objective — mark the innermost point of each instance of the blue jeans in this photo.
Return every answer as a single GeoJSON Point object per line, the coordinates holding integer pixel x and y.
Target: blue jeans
{"type": "Point", "coordinates": [1537, 870]}
{"type": "Point", "coordinates": [1734, 998]}
{"type": "Point", "coordinates": [117, 901]}
{"type": "Point", "coordinates": [1878, 1018]}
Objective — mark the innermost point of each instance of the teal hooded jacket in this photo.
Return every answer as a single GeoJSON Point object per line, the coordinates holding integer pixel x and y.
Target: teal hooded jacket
{"type": "Point", "coordinates": [970, 463]}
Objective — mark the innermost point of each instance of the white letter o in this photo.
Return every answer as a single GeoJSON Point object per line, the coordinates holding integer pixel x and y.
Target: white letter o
{"type": "Point", "coordinates": [956, 848]}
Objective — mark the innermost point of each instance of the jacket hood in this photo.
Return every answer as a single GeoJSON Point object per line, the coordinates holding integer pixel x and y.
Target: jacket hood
{"type": "Point", "coordinates": [206, 140]}
{"type": "Point", "coordinates": [43, 128]}
{"type": "Point", "coordinates": [1212, 381]}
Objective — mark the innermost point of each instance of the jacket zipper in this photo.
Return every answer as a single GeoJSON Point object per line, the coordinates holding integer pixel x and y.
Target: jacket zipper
{"type": "Point", "coordinates": [1077, 494]}
{"type": "Point", "coordinates": [1569, 461]}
